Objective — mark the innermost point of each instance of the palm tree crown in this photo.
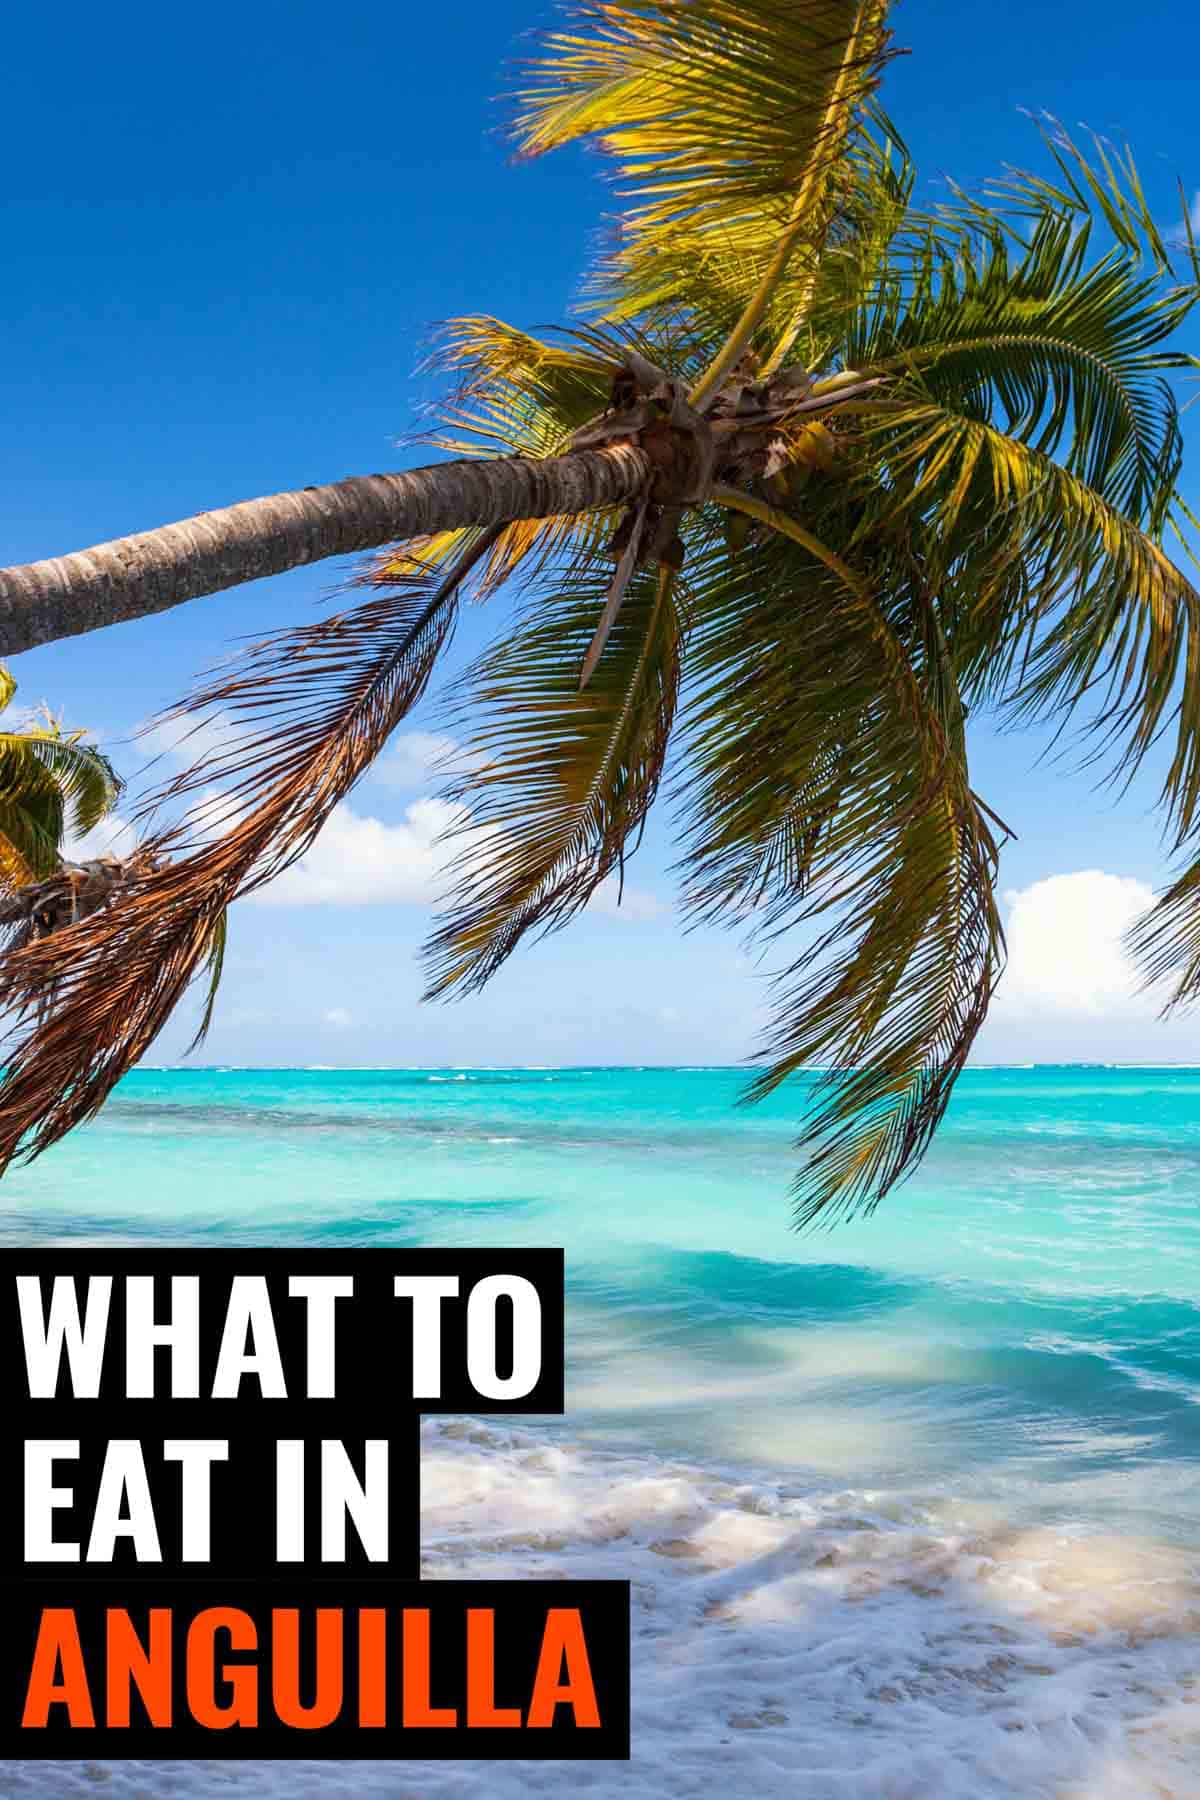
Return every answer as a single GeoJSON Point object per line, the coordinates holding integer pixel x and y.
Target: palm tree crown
{"type": "Point", "coordinates": [858, 468]}
{"type": "Point", "coordinates": [53, 785]}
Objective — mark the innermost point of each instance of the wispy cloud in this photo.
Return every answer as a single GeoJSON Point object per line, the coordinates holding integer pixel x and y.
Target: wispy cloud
{"type": "Point", "coordinates": [113, 836]}
{"type": "Point", "coordinates": [413, 759]}
{"type": "Point", "coordinates": [634, 905]}
{"type": "Point", "coordinates": [191, 741]}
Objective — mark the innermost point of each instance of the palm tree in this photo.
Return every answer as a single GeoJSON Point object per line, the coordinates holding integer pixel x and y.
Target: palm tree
{"type": "Point", "coordinates": [57, 786]}
{"type": "Point", "coordinates": [53, 785]}
{"type": "Point", "coordinates": [821, 472]}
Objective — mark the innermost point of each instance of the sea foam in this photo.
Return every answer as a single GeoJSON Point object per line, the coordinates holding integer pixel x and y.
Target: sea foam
{"type": "Point", "coordinates": [823, 1643]}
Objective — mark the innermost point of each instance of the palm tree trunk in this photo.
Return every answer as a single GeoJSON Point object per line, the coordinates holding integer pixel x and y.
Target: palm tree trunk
{"type": "Point", "coordinates": [147, 573]}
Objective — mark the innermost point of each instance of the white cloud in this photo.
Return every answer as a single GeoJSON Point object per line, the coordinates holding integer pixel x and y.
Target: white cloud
{"type": "Point", "coordinates": [634, 905]}
{"type": "Point", "coordinates": [412, 758]}
{"type": "Point", "coordinates": [339, 1018]}
{"type": "Point", "coordinates": [361, 861]}
{"type": "Point", "coordinates": [357, 859]}
{"type": "Point", "coordinates": [1066, 957]}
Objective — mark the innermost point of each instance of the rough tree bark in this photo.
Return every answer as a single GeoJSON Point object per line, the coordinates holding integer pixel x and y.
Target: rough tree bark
{"type": "Point", "coordinates": [154, 570]}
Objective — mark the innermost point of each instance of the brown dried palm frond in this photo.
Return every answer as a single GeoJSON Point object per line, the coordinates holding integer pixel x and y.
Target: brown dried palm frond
{"type": "Point", "coordinates": [74, 891]}
{"type": "Point", "coordinates": [308, 712]}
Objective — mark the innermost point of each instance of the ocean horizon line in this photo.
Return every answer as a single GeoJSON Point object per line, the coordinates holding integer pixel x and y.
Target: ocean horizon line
{"type": "Point", "coordinates": [352, 1068]}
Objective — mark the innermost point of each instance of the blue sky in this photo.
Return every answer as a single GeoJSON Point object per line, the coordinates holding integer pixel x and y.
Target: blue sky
{"type": "Point", "coordinates": [227, 248]}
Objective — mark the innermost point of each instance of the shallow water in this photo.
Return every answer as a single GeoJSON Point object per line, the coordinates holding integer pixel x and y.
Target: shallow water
{"type": "Point", "coordinates": [910, 1508]}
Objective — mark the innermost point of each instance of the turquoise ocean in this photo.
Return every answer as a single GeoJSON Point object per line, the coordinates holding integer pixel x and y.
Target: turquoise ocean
{"type": "Point", "coordinates": [911, 1507]}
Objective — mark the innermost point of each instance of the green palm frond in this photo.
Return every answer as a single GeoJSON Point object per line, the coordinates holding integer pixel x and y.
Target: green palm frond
{"type": "Point", "coordinates": [1053, 600]}
{"type": "Point", "coordinates": [214, 969]}
{"type": "Point", "coordinates": [712, 110]}
{"type": "Point", "coordinates": [828, 797]}
{"type": "Point", "coordinates": [561, 776]}
{"type": "Point", "coordinates": [516, 394]}
{"type": "Point", "coordinates": [856, 271]}
{"type": "Point", "coordinates": [1069, 355]}
{"type": "Point", "coordinates": [688, 290]}
{"type": "Point", "coordinates": [31, 833]}
{"type": "Point", "coordinates": [81, 774]}
{"type": "Point", "coordinates": [52, 783]}
{"type": "Point", "coordinates": [1104, 184]}
{"type": "Point", "coordinates": [723, 116]}
{"type": "Point", "coordinates": [1166, 939]}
